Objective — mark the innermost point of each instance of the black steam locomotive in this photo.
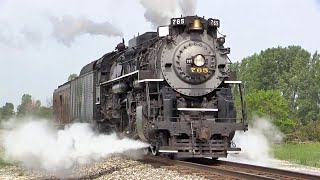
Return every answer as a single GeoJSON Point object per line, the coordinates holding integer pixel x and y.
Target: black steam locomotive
{"type": "Point", "coordinates": [171, 88]}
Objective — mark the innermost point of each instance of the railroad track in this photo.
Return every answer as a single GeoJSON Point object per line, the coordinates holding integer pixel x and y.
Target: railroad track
{"type": "Point", "coordinates": [211, 169]}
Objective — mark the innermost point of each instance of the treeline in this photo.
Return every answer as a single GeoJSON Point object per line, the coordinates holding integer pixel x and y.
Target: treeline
{"type": "Point", "coordinates": [283, 84]}
{"type": "Point", "coordinates": [28, 107]}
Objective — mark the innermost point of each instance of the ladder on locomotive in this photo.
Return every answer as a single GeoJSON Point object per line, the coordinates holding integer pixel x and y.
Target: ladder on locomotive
{"type": "Point", "coordinates": [156, 105]}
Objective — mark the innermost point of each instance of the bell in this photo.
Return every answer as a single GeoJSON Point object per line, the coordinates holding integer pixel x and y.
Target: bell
{"type": "Point", "coordinates": [196, 25]}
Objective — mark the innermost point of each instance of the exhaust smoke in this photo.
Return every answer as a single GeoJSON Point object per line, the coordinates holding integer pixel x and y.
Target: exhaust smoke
{"type": "Point", "coordinates": [19, 39]}
{"type": "Point", "coordinates": [68, 28]}
{"type": "Point", "coordinates": [159, 12]}
{"type": "Point", "coordinates": [188, 7]}
{"type": "Point", "coordinates": [37, 145]}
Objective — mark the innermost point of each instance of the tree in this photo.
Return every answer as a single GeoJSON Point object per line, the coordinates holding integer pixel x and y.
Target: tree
{"type": "Point", "coordinates": [308, 99]}
{"type": "Point", "coordinates": [28, 106]}
{"type": "Point", "coordinates": [7, 111]}
{"type": "Point", "coordinates": [292, 71]}
{"type": "Point", "coordinates": [270, 103]}
{"type": "Point", "coordinates": [44, 112]}
{"type": "Point", "coordinates": [72, 77]}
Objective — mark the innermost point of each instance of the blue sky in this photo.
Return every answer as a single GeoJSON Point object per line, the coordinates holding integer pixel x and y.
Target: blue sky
{"type": "Point", "coordinates": [33, 61]}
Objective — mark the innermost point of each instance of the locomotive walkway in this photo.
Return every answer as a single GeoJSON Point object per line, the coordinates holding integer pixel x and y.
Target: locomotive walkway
{"type": "Point", "coordinates": [225, 170]}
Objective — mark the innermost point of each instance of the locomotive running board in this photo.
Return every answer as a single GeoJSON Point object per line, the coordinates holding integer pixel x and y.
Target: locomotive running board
{"type": "Point", "coordinates": [233, 150]}
{"type": "Point", "coordinates": [150, 80]}
{"type": "Point", "coordinates": [197, 109]}
{"type": "Point", "coordinates": [168, 151]}
{"type": "Point", "coordinates": [131, 74]}
{"type": "Point", "coordinates": [120, 77]}
{"type": "Point", "coordinates": [233, 82]}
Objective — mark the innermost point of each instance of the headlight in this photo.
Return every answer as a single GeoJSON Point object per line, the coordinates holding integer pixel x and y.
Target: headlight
{"type": "Point", "coordinates": [199, 60]}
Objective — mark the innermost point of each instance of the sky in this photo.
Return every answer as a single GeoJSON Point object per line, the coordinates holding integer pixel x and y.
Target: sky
{"type": "Point", "coordinates": [42, 42]}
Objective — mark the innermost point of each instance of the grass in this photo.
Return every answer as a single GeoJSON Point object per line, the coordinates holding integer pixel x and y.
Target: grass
{"type": "Point", "coordinates": [2, 161]}
{"type": "Point", "coordinates": [304, 154]}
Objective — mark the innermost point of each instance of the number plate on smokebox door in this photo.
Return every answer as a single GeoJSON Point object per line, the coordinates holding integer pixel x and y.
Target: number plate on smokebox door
{"type": "Point", "coordinates": [199, 70]}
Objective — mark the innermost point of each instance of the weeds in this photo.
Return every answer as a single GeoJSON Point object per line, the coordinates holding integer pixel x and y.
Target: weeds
{"type": "Point", "coordinates": [305, 154]}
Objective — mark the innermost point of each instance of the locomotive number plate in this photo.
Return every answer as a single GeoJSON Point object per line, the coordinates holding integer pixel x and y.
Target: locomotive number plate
{"type": "Point", "coordinates": [177, 21]}
{"type": "Point", "coordinates": [214, 22]}
{"type": "Point", "coordinates": [199, 70]}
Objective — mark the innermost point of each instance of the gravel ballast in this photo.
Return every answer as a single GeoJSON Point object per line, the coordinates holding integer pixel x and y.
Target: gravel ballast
{"type": "Point", "coordinates": [116, 167]}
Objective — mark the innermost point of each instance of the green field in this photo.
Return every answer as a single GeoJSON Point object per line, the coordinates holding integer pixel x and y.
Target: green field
{"type": "Point", "coordinates": [2, 162]}
{"type": "Point", "coordinates": [304, 154]}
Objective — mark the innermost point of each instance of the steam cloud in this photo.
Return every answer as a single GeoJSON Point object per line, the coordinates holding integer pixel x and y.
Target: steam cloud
{"type": "Point", "coordinates": [256, 143]}
{"type": "Point", "coordinates": [159, 12]}
{"type": "Point", "coordinates": [6, 35]}
{"type": "Point", "coordinates": [20, 39]}
{"type": "Point", "coordinates": [68, 28]}
{"type": "Point", "coordinates": [3, 37]}
{"type": "Point", "coordinates": [37, 145]}
{"type": "Point", "coordinates": [31, 36]}
{"type": "Point", "coordinates": [188, 7]}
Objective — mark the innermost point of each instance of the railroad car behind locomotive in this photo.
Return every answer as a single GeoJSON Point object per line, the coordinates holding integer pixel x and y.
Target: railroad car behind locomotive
{"type": "Point", "coordinates": [171, 88]}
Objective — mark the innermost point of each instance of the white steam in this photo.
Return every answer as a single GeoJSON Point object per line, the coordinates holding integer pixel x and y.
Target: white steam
{"type": "Point", "coordinates": [159, 12]}
{"type": "Point", "coordinates": [68, 28]}
{"type": "Point", "coordinates": [37, 145]}
{"type": "Point", "coordinates": [20, 39]}
{"type": "Point", "coordinates": [31, 36]}
{"type": "Point", "coordinates": [256, 143]}
{"type": "Point", "coordinates": [188, 7]}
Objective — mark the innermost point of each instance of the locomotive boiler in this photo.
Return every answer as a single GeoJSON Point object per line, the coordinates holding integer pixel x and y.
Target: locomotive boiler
{"type": "Point", "coordinates": [171, 88]}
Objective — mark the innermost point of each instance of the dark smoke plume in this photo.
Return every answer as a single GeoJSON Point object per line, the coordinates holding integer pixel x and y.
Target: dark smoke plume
{"type": "Point", "coordinates": [68, 28]}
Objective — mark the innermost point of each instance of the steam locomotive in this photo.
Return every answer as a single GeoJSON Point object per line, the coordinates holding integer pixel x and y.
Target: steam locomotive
{"type": "Point", "coordinates": [171, 88]}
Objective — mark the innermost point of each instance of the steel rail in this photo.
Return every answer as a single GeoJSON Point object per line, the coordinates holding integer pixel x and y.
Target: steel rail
{"type": "Point", "coordinates": [231, 169]}
{"type": "Point", "coordinates": [274, 171]}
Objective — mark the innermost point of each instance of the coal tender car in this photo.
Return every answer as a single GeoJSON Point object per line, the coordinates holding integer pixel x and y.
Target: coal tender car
{"type": "Point", "coordinates": [171, 88]}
